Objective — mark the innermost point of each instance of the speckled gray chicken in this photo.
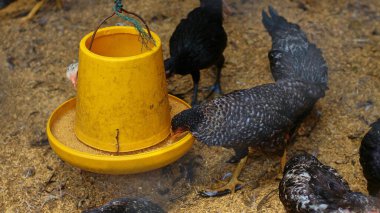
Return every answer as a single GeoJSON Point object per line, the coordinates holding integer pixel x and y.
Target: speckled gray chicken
{"type": "Point", "coordinates": [264, 117]}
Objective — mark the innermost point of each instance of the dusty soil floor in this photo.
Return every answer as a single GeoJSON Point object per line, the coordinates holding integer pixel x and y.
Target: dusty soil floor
{"type": "Point", "coordinates": [33, 60]}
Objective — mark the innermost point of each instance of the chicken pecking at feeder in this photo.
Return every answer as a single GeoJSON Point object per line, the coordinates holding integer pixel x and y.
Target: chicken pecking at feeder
{"type": "Point", "coordinates": [119, 122]}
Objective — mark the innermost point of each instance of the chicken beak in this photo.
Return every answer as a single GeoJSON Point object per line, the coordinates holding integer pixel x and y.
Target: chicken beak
{"type": "Point", "coordinates": [178, 133]}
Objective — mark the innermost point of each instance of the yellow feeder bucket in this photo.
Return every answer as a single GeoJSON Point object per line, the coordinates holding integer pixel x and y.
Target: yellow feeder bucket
{"type": "Point", "coordinates": [122, 101]}
{"type": "Point", "coordinates": [120, 120]}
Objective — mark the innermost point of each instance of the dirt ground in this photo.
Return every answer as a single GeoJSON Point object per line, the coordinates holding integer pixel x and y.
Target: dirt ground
{"type": "Point", "coordinates": [33, 60]}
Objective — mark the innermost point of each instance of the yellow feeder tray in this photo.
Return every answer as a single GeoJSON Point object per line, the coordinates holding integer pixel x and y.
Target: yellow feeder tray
{"type": "Point", "coordinates": [120, 120]}
{"type": "Point", "coordinates": [60, 132]}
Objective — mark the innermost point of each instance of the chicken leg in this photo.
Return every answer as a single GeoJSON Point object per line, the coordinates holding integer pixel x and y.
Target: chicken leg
{"type": "Point", "coordinates": [283, 162]}
{"type": "Point", "coordinates": [37, 7]}
{"type": "Point", "coordinates": [196, 77]}
{"type": "Point", "coordinates": [216, 89]}
{"type": "Point", "coordinates": [231, 186]}
{"type": "Point", "coordinates": [282, 165]}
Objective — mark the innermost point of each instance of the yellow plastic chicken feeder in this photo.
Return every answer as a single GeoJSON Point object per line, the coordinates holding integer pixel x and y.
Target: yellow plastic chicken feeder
{"type": "Point", "coordinates": [120, 120]}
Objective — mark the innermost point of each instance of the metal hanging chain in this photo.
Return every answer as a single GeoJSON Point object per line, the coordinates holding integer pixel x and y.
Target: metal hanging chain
{"type": "Point", "coordinates": [119, 10]}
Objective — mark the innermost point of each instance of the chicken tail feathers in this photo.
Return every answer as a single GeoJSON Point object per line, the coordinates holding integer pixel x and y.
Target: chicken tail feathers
{"type": "Point", "coordinates": [357, 202]}
{"type": "Point", "coordinates": [292, 56]}
{"type": "Point", "coordinates": [274, 23]}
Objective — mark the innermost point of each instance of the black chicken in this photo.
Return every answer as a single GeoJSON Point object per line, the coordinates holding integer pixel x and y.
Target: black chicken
{"type": "Point", "coordinates": [262, 117]}
{"type": "Point", "coordinates": [128, 205]}
{"type": "Point", "coordinates": [38, 6]}
{"type": "Point", "coordinates": [370, 158]}
{"type": "Point", "coordinates": [310, 186]}
{"type": "Point", "coordinates": [197, 43]}
{"type": "Point", "coordinates": [4, 3]}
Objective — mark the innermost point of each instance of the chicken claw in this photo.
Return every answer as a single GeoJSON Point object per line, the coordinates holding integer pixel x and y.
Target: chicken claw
{"type": "Point", "coordinates": [231, 186]}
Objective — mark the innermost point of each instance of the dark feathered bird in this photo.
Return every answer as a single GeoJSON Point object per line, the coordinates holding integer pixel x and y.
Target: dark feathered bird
{"type": "Point", "coordinates": [264, 116]}
{"type": "Point", "coordinates": [4, 3]}
{"type": "Point", "coordinates": [128, 205]}
{"type": "Point", "coordinates": [310, 186]}
{"type": "Point", "coordinates": [197, 43]}
{"type": "Point", "coordinates": [292, 56]}
{"type": "Point", "coordinates": [370, 158]}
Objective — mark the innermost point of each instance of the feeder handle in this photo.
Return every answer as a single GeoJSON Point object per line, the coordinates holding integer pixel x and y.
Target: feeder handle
{"type": "Point", "coordinates": [102, 22]}
{"type": "Point", "coordinates": [141, 19]}
{"type": "Point", "coordinates": [97, 28]}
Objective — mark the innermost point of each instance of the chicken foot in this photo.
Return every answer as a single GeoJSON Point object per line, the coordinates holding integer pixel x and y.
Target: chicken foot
{"type": "Point", "coordinates": [37, 7]}
{"type": "Point", "coordinates": [231, 186]}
